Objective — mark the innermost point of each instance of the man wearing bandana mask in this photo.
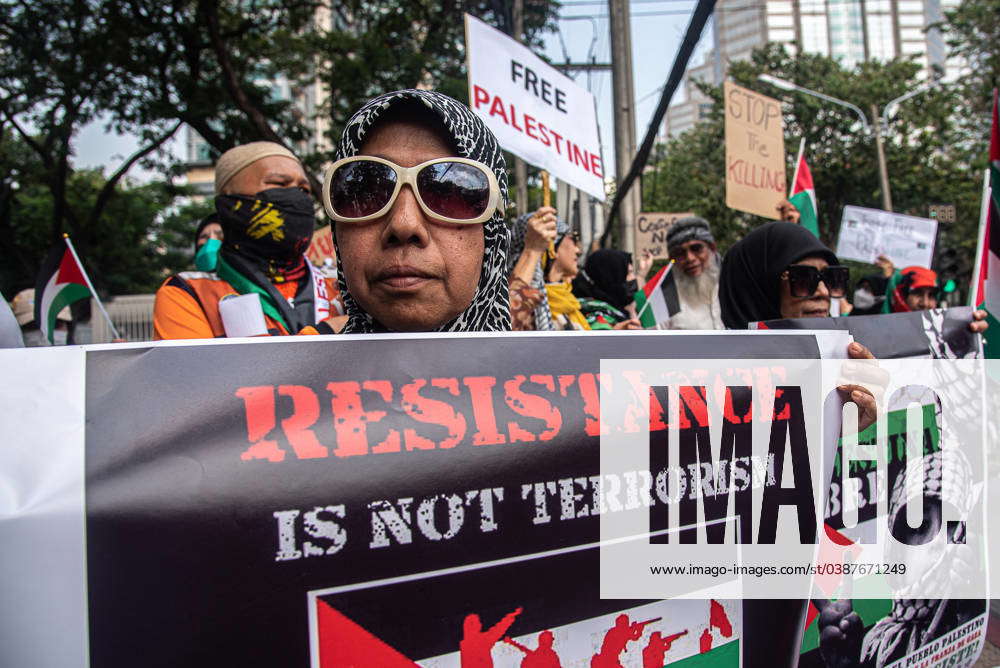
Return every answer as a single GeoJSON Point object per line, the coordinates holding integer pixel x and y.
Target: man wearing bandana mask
{"type": "Point", "coordinates": [264, 204]}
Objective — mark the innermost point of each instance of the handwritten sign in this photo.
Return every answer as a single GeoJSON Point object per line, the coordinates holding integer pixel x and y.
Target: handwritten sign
{"type": "Point", "coordinates": [755, 152]}
{"type": "Point", "coordinates": [536, 112]}
{"type": "Point", "coordinates": [651, 233]}
{"type": "Point", "coordinates": [867, 233]}
{"type": "Point", "coordinates": [321, 247]}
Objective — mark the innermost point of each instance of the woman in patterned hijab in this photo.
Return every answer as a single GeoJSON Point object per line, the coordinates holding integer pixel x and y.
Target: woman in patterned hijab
{"type": "Point", "coordinates": [404, 269]}
{"type": "Point", "coordinates": [529, 304]}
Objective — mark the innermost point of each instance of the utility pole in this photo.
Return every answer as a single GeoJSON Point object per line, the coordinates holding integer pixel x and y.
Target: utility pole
{"type": "Point", "coordinates": [520, 167]}
{"type": "Point", "coordinates": [883, 171]}
{"type": "Point", "coordinates": [624, 113]}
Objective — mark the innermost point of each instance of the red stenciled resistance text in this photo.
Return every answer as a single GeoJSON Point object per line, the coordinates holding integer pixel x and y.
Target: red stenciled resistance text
{"type": "Point", "coordinates": [527, 124]}
{"type": "Point", "coordinates": [474, 411]}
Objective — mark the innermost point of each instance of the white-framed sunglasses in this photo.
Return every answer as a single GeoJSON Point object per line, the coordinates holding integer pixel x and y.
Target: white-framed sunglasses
{"type": "Point", "coordinates": [451, 190]}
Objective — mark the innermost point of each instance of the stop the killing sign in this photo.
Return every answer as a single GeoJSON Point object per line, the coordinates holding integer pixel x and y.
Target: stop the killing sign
{"type": "Point", "coordinates": [536, 112]}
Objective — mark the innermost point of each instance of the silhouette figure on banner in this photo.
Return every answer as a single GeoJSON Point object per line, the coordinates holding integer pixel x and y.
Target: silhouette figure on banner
{"type": "Point", "coordinates": [476, 646]}
{"type": "Point", "coordinates": [615, 640]}
{"type": "Point", "coordinates": [541, 657]}
{"type": "Point", "coordinates": [654, 654]}
{"type": "Point", "coordinates": [705, 641]}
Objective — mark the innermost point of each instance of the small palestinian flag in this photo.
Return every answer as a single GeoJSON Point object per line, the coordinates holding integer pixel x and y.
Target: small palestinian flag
{"type": "Point", "coordinates": [61, 282]}
{"type": "Point", "coordinates": [658, 300]}
{"type": "Point", "coordinates": [986, 282]}
{"type": "Point", "coordinates": [803, 196]}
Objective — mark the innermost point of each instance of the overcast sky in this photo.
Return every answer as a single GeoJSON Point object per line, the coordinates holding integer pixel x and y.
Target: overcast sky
{"type": "Point", "coordinates": [657, 30]}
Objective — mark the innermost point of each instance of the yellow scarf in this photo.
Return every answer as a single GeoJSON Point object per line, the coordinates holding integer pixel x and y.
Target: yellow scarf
{"type": "Point", "coordinates": [562, 302]}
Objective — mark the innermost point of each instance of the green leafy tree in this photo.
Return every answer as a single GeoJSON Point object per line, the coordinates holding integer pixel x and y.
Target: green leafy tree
{"type": "Point", "coordinates": [922, 163]}
{"type": "Point", "coordinates": [55, 78]}
{"type": "Point", "coordinates": [374, 48]}
{"type": "Point", "coordinates": [233, 70]}
{"type": "Point", "coordinates": [139, 238]}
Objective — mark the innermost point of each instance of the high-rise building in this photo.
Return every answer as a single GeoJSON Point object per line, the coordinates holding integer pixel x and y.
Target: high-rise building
{"type": "Point", "coordinates": [850, 30]}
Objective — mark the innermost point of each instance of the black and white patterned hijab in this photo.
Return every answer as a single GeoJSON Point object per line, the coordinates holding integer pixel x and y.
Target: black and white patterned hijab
{"type": "Point", "coordinates": [490, 307]}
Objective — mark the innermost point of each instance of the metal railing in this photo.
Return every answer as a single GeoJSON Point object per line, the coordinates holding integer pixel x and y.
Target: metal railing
{"type": "Point", "coordinates": [132, 315]}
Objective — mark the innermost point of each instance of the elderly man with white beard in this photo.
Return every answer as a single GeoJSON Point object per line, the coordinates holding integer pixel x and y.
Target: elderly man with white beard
{"type": "Point", "coordinates": [696, 274]}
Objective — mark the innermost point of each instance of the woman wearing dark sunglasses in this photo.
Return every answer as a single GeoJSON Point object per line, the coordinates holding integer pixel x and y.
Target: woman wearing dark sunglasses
{"type": "Point", "coordinates": [780, 270]}
{"type": "Point", "coordinates": [417, 198]}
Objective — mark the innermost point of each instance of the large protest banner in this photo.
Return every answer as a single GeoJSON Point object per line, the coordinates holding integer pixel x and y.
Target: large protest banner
{"type": "Point", "coordinates": [380, 500]}
{"type": "Point", "coordinates": [755, 152]}
{"type": "Point", "coordinates": [651, 233]}
{"type": "Point", "coordinates": [867, 233]}
{"type": "Point", "coordinates": [537, 112]}
{"type": "Point", "coordinates": [943, 631]}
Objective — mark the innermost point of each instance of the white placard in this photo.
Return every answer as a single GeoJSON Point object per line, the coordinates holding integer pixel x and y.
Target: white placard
{"type": "Point", "coordinates": [242, 316]}
{"type": "Point", "coordinates": [536, 112]}
{"type": "Point", "coordinates": [867, 233]}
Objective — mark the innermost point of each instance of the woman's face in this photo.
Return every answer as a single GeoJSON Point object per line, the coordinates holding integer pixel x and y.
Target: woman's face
{"type": "Point", "coordinates": [566, 257]}
{"type": "Point", "coordinates": [816, 305]}
{"type": "Point", "coordinates": [408, 272]}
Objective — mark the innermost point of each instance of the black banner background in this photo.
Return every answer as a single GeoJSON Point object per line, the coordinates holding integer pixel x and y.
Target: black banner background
{"type": "Point", "coordinates": [181, 537]}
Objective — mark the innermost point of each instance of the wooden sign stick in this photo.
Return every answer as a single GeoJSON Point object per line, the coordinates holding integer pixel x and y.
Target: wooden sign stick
{"type": "Point", "coordinates": [547, 201]}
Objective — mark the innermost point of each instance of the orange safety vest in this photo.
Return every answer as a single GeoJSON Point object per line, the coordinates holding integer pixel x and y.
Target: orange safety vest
{"type": "Point", "coordinates": [187, 305]}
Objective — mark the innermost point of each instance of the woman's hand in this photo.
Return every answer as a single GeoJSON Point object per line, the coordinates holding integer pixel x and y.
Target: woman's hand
{"type": "Point", "coordinates": [541, 230]}
{"type": "Point", "coordinates": [787, 212]}
{"type": "Point", "coordinates": [863, 382]}
{"type": "Point", "coordinates": [631, 323]}
{"type": "Point", "coordinates": [885, 264]}
{"type": "Point", "coordinates": [978, 324]}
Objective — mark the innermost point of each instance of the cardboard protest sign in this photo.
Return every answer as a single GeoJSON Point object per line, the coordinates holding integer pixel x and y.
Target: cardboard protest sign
{"type": "Point", "coordinates": [386, 497]}
{"type": "Point", "coordinates": [755, 152]}
{"type": "Point", "coordinates": [867, 233]}
{"type": "Point", "coordinates": [321, 247]}
{"type": "Point", "coordinates": [537, 112]}
{"type": "Point", "coordinates": [651, 233]}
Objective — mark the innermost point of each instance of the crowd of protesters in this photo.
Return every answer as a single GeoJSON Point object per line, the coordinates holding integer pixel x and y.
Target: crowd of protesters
{"type": "Point", "coordinates": [418, 201]}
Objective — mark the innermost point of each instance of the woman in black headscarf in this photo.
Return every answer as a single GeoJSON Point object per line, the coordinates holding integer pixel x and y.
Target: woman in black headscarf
{"type": "Point", "coordinates": [606, 288]}
{"type": "Point", "coordinates": [430, 253]}
{"type": "Point", "coordinates": [768, 274]}
{"type": "Point", "coordinates": [780, 270]}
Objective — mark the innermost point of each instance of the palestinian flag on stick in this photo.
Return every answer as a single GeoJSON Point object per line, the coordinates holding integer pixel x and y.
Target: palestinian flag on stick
{"type": "Point", "coordinates": [60, 283]}
{"type": "Point", "coordinates": [658, 300]}
{"type": "Point", "coordinates": [985, 290]}
{"type": "Point", "coordinates": [803, 193]}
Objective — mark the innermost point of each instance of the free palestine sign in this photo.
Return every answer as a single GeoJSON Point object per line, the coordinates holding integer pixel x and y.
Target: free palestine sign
{"type": "Point", "coordinates": [536, 112]}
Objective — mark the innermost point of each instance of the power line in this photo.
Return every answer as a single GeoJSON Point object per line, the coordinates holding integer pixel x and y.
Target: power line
{"type": "Point", "coordinates": [665, 12]}
{"type": "Point", "coordinates": [695, 27]}
{"type": "Point", "coordinates": [650, 94]}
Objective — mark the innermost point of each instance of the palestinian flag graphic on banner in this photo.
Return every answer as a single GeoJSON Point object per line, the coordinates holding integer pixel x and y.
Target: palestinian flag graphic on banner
{"type": "Point", "coordinates": [803, 196]}
{"type": "Point", "coordinates": [60, 283]}
{"type": "Point", "coordinates": [658, 300]}
{"type": "Point", "coordinates": [493, 614]}
{"type": "Point", "coordinates": [986, 283]}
